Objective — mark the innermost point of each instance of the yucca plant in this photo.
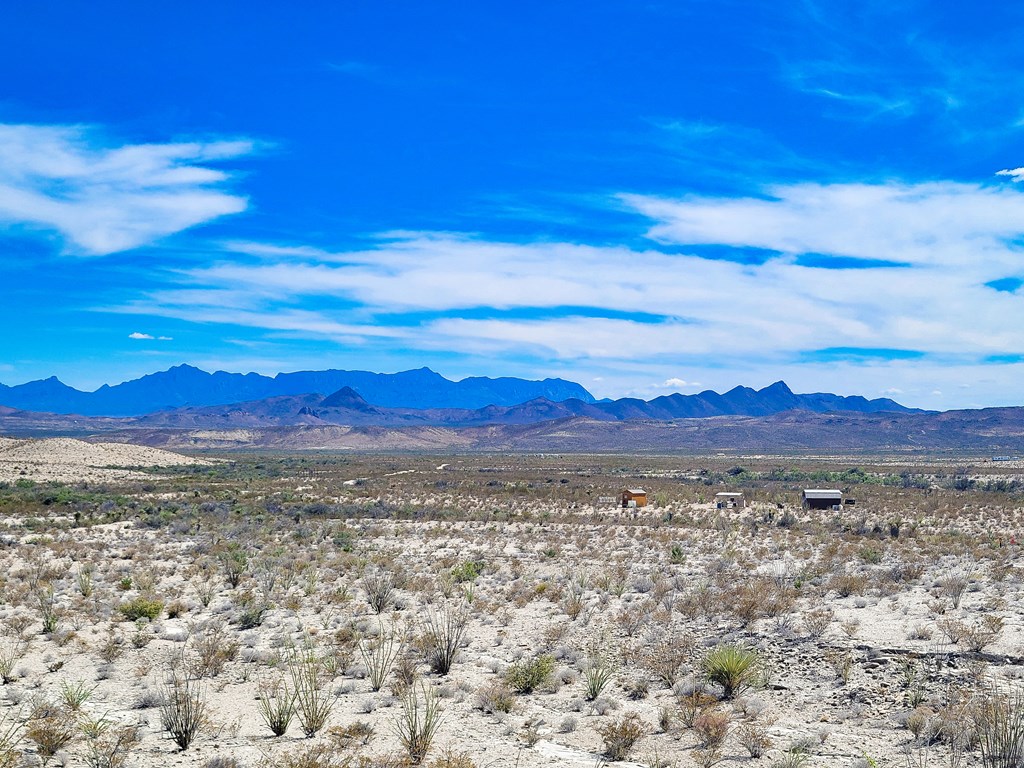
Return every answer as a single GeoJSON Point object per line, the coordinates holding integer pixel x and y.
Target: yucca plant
{"type": "Point", "coordinates": [597, 673]}
{"type": "Point", "coordinates": [732, 666]}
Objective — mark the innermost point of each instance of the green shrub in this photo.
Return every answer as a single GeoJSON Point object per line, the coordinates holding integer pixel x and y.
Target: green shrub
{"type": "Point", "coordinates": [468, 570]}
{"type": "Point", "coordinates": [733, 667]}
{"type": "Point", "coordinates": [141, 608]}
{"type": "Point", "coordinates": [528, 675]}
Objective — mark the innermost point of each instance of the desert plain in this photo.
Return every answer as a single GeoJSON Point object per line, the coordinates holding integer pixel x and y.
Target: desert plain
{"type": "Point", "coordinates": [504, 610]}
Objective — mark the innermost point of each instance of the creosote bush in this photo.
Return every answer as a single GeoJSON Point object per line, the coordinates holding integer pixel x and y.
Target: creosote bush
{"type": "Point", "coordinates": [528, 675]}
{"type": "Point", "coordinates": [141, 607]}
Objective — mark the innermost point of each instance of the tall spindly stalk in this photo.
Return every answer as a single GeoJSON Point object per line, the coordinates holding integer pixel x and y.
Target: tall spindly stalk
{"type": "Point", "coordinates": [379, 654]}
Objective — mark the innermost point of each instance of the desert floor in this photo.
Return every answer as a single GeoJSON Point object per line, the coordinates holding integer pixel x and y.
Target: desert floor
{"type": "Point", "coordinates": [888, 632]}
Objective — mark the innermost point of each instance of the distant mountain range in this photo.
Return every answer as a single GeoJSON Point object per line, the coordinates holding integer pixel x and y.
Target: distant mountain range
{"type": "Point", "coordinates": [187, 386]}
{"type": "Point", "coordinates": [770, 419]}
{"type": "Point", "coordinates": [348, 407]}
{"type": "Point", "coordinates": [184, 396]}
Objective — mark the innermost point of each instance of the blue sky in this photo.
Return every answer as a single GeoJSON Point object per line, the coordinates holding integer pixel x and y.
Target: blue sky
{"type": "Point", "coordinates": [644, 198]}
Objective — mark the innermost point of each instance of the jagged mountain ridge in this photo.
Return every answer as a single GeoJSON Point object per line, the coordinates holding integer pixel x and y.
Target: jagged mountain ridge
{"type": "Point", "coordinates": [348, 407]}
{"type": "Point", "coordinates": [187, 386]}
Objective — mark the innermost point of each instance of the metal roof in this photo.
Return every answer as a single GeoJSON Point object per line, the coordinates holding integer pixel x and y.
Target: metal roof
{"type": "Point", "coordinates": [636, 490]}
{"type": "Point", "coordinates": [728, 493]}
{"type": "Point", "coordinates": [822, 493]}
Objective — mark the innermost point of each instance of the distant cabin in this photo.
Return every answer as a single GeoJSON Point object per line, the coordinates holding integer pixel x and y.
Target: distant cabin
{"type": "Point", "coordinates": [634, 497]}
{"type": "Point", "coordinates": [730, 500]}
{"type": "Point", "coordinates": [821, 498]}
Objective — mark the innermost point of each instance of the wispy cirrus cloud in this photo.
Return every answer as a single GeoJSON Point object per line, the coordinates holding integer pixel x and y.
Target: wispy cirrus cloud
{"type": "Point", "coordinates": [104, 198]}
{"type": "Point", "coordinates": [900, 61]}
{"type": "Point", "coordinates": [899, 267]}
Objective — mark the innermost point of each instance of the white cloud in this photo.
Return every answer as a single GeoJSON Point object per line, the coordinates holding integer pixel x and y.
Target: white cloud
{"type": "Point", "coordinates": [1017, 174]}
{"type": "Point", "coordinates": [148, 337]}
{"type": "Point", "coordinates": [925, 224]}
{"type": "Point", "coordinates": [105, 199]}
{"type": "Point", "coordinates": [548, 302]}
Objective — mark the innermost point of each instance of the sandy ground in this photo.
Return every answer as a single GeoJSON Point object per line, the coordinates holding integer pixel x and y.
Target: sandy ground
{"type": "Point", "coordinates": [68, 460]}
{"type": "Point", "coordinates": [851, 625]}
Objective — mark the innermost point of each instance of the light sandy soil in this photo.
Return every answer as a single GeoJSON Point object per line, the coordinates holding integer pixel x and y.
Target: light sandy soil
{"type": "Point", "coordinates": [64, 459]}
{"type": "Point", "coordinates": [850, 623]}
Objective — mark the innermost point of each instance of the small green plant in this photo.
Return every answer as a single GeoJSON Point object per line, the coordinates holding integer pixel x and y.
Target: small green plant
{"type": "Point", "coordinates": [313, 700]}
{"type": "Point", "coordinates": [141, 608]}
{"type": "Point", "coordinates": [677, 555]}
{"type": "Point", "coordinates": [732, 666]}
{"type": "Point", "coordinates": [597, 673]}
{"type": "Point", "coordinates": [379, 655]}
{"type": "Point", "coordinates": [75, 694]}
{"type": "Point", "coordinates": [528, 675]}
{"type": "Point", "coordinates": [418, 723]}
{"type": "Point", "coordinates": [276, 705]}
{"type": "Point", "coordinates": [468, 570]}
{"type": "Point", "coordinates": [84, 579]}
{"type": "Point", "coordinates": [621, 735]}
{"type": "Point", "coordinates": [234, 561]}
{"type": "Point", "coordinates": [49, 611]}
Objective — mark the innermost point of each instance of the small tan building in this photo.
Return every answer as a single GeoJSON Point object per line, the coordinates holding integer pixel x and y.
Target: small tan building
{"type": "Point", "coordinates": [634, 497]}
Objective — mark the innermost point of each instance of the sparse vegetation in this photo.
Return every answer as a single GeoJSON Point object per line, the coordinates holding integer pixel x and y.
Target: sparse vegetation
{"type": "Point", "coordinates": [395, 594]}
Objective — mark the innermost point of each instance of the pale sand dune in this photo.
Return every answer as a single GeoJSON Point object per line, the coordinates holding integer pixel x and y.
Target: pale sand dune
{"type": "Point", "coordinates": [66, 459]}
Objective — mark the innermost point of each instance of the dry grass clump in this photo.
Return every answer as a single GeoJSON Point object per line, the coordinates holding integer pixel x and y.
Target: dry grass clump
{"type": "Point", "coordinates": [621, 735]}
